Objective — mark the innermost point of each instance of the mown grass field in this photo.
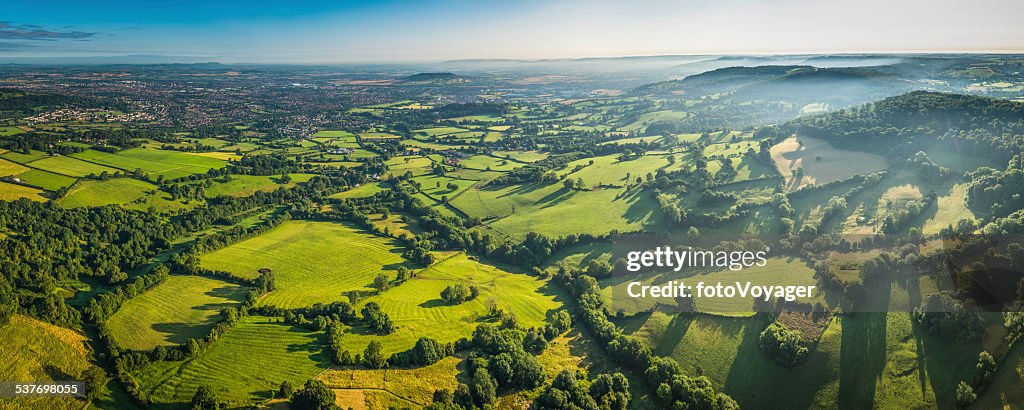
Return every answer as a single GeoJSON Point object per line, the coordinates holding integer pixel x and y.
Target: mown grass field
{"type": "Point", "coordinates": [555, 211]}
{"type": "Point", "coordinates": [128, 192]}
{"type": "Point", "coordinates": [70, 166]}
{"type": "Point", "coordinates": [46, 180]}
{"type": "Point", "coordinates": [169, 164]}
{"type": "Point", "coordinates": [178, 309]}
{"type": "Point", "coordinates": [417, 310]}
{"type": "Point", "coordinates": [311, 261]}
{"type": "Point", "coordinates": [35, 351]}
{"type": "Point", "coordinates": [244, 366]}
{"type": "Point", "coordinates": [245, 185]}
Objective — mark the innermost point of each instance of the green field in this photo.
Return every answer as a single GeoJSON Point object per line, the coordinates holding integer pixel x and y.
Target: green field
{"type": "Point", "coordinates": [523, 156]}
{"type": "Point", "coordinates": [169, 164]}
{"type": "Point", "coordinates": [416, 165]}
{"type": "Point", "coordinates": [417, 310]}
{"type": "Point", "coordinates": [553, 210]}
{"type": "Point", "coordinates": [70, 166]}
{"type": "Point", "coordinates": [46, 180]}
{"type": "Point", "coordinates": [608, 170]}
{"type": "Point", "coordinates": [437, 186]}
{"type": "Point", "coordinates": [312, 261]}
{"type": "Point", "coordinates": [178, 309]}
{"type": "Point", "coordinates": [362, 191]}
{"type": "Point", "coordinates": [127, 192]}
{"type": "Point", "coordinates": [244, 366]}
{"type": "Point", "coordinates": [489, 163]}
{"type": "Point", "coordinates": [245, 185]}
{"type": "Point", "coordinates": [653, 117]}
{"type": "Point", "coordinates": [23, 158]}
{"type": "Point", "coordinates": [8, 131]}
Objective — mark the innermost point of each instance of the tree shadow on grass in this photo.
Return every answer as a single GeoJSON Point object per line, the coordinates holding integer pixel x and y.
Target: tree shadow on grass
{"type": "Point", "coordinates": [756, 380]}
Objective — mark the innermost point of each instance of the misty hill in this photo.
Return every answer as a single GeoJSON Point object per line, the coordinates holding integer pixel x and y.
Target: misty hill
{"type": "Point", "coordinates": [972, 123]}
{"type": "Point", "coordinates": [797, 85]}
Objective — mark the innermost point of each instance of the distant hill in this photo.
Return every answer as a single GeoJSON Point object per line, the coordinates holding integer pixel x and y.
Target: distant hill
{"type": "Point", "coordinates": [800, 85]}
{"type": "Point", "coordinates": [433, 77]}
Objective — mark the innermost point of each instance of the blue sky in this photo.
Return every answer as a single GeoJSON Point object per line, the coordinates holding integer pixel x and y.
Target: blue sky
{"type": "Point", "coordinates": [381, 31]}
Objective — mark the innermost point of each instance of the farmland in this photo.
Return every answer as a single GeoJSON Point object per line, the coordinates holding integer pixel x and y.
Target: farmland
{"type": "Point", "coordinates": [180, 308]}
{"type": "Point", "coordinates": [417, 309]}
{"type": "Point", "coordinates": [314, 262]}
{"type": "Point", "coordinates": [391, 232]}
{"type": "Point", "coordinates": [237, 364]}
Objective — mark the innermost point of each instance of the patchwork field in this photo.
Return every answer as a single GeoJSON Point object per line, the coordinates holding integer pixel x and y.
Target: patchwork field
{"type": "Point", "coordinates": [820, 161]}
{"type": "Point", "coordinates": [237, 365]}
{"type": "Point", "coordinates": [166, 163]}
{"type": "Point", "coordinates": [178, 309]}
{"type": "Point", "coordinates": [417, 310]}
{"type": "Point", "coordinates": [312, 261]}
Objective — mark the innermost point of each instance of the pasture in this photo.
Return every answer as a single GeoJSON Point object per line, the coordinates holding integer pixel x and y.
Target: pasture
{"type": "Point", "coordinates": [237, 366]}
{"type": "Point", "coordinates": [412, 164]}
{"type": "Point", "coordinates": [362, 191]}
{"type": "Point", "coordinates": [820, 162]}
{"type": "Point", "coordinates": [489, 163]}
{"type": "Point", "coordinates": [312, 262]}
{"type": "Point", "coordinates": [46, 180]}
{"type": "Point", "coordinates": [166, 163]}
{"type": "Point", "coordinates": [245, 185]}
{"type": "Point", "coordinates": [128, 192]}
{"type": "Point", "coordinates": [554, 210]}
{"type": "Point", "coordinates": [69, 166]}
{"type": "Point", "coordinates": [417, 310]}
{"type": "Point", "coordinates": [178, 309]}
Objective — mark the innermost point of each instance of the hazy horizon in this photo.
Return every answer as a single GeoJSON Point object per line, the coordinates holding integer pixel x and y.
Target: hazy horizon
{"type": "Point", "coordinates": [308, 32]}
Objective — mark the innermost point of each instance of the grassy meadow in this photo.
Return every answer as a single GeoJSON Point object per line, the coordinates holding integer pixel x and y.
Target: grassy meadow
{"type": "Point", "coordinates": [313, 262]}
{"type": "Point", "coordinates": [178, 309]}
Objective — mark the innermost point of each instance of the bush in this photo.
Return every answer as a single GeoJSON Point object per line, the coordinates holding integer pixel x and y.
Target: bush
{"type": "Point", "coordinates": [784, 345]}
